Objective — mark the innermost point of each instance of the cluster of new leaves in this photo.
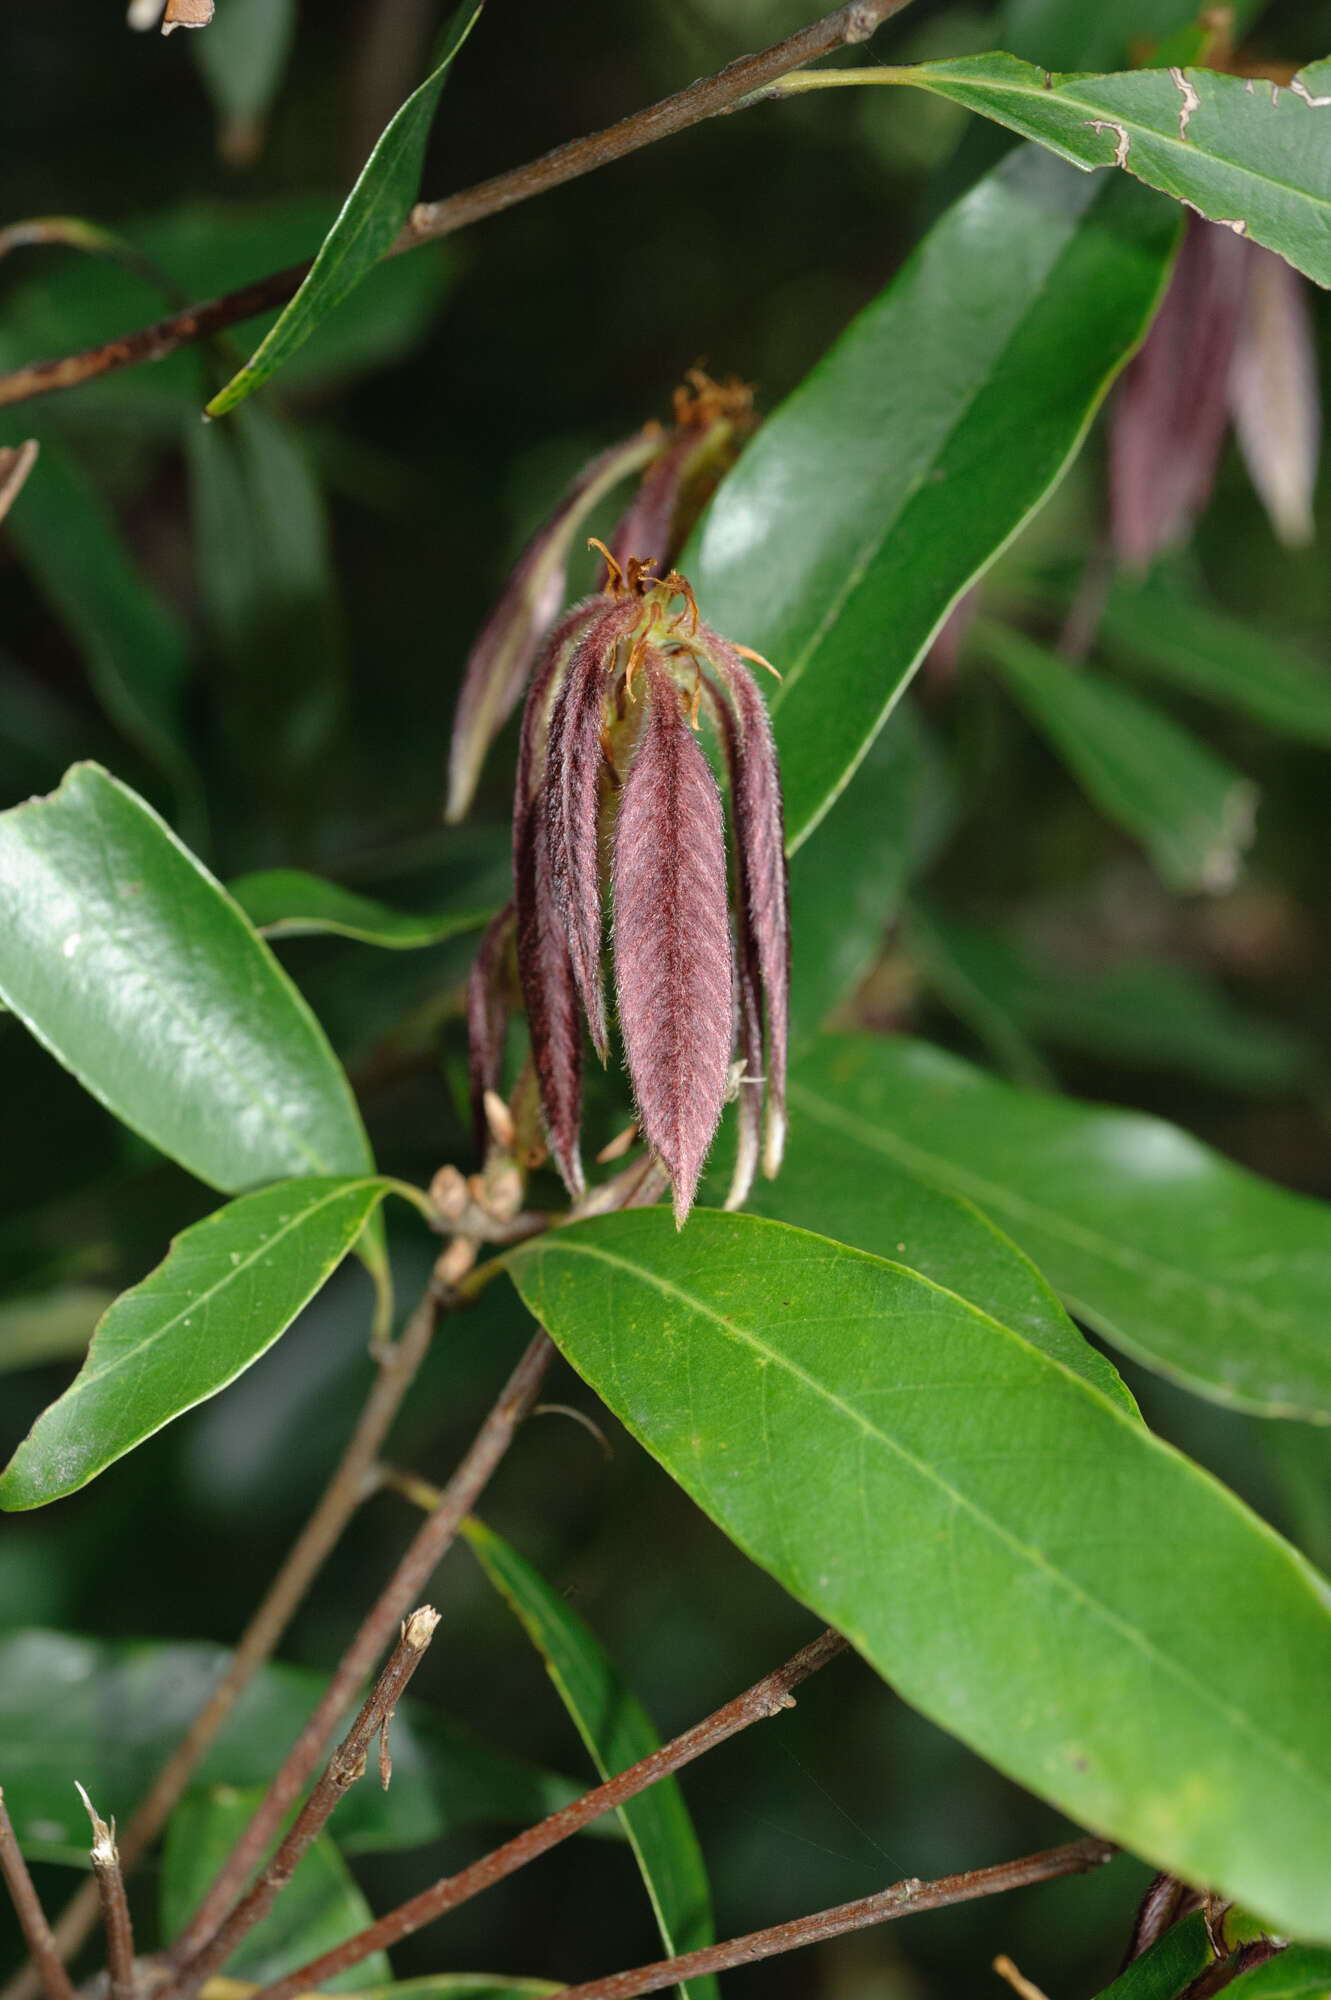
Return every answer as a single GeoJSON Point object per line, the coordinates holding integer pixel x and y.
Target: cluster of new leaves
{"type": "Point", "coordinates": [889, 1406]}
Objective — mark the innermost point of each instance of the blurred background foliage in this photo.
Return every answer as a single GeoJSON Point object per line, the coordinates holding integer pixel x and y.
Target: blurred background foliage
{"type": "Point", "coordinates": [261, 625]}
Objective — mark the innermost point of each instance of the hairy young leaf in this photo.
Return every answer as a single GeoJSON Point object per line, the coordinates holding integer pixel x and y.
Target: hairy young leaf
{"type": "Point", "coordinates": [1020, 1558]}
{"type": "Point", "coordinates": [225, 1291]}
{"type": "Point", "coordinates": [1193, 813]}
{"type": "Point", "coordinates": [114, 1710]}
{"type": "Point", "coordinates": [320, 1906]}
{"type": "Point", "coordinates": [1249, 154]}
{"type": "Point", "coordinates": [371, 217]}
{"type": "Point", "coordinates": [617, 1731]}
{"type": "Point", "coordinates": [134, 967]}
{"type": "Point", "coordinates": [1192, 1266]}
{"type": "Point", "coordinates": [286, 902]}
{"type": "Point", "coordinates": [672, 940]}
{"type": "Point", "coordinates": [918, 447]}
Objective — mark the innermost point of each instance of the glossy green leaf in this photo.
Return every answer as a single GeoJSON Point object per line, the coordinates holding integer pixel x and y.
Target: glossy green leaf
{"type": "Point", "coordinates": [838, 1181]}
{"type": "Point", "coordinates": [1195, 647]}
{"type": "Point", "coordinates": [616, 1730]}
{"type": "Point", "coordinates": [50, 1325]}
{"type": "Point", "coordinates": [1193, 1266]}
{"type": "Point", "coordinates": [114, 1710]}
{"type": "Point", "coordinates": [1158, 1012]}
{"type": "Point", "coordinates": [225, 1291]}
{"type": "Point", "coordinates": [134, 649]}
{"type": "Point", "coordinates": [286, 902]}
{"type": "Point", "coordinates": [1022, 1560]}
{"type": "Point", "coordinates": [918, 447]}
{"type": "Point", "coordinates": [319, 1907]}
{"type": "Point", "coordinates": [1297, 1974]}
{"type": "Point", "coordinates": [134, 967]}
{"type": "Point", "coordinates": [845, 886]}
{"type": "Point", "coordinates": [1252, 155]}
{"type": "Point", "coordinates": [1193, 813]}
{"type": "Point", "coordinates": [1169, 1967]}
{"type": "Point", "coordinates": [371, 217]}
{"type": "Point", "coordinates": [241, 60]}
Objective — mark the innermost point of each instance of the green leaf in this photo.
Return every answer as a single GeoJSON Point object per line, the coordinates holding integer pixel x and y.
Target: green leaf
{"type": "Point", "coordinates": [114, 1710]}
{"type": "Point", "coordinates": [241, 60]}
{"type": "Point", "coordinates": [286, 902]}
{"type": "Point", "coordinates": [1158, 1012]}
{"type": "Point", "coordinates": [50, 1325]}
{"type": "Point", "coordinates": [1193, 646]}
{"type": "Point", "coordinates": [1022, 1560]}
{"type": "Point", "coordinates": [1249, 154]}
{"type": "Point", "coordinates": [836, 1177]}
{"type": "Point", "coordinates": [952, 972]}
{"type": "Point", "coordinates": [225, 1291]}
{"type": "Point", "coordinates": [269, 585]}
{"type": "Point", "coordinates": [319, 1907]}
{"type": "Point", "coordinates": [846, 885]}
{"type": "Point", "coordinates": [135, 651]}
{"type": "Point", "coordinates": [1192, 813]}
{"type": "Point", "coordinates": [871, 500]}
{"type": "Point", "coordinates": [371, 218]}
{"type": "Point", "coordinates": [1192, 1266]}
{"type": "Point", "coordinates": [1296, 1974]}
{"type": "Point", "coordinates": [1171, 1964]}
{"type": "Point", "coordinates": [134, 967]}
{"type": "Point", "coordinates": [617, 1731]}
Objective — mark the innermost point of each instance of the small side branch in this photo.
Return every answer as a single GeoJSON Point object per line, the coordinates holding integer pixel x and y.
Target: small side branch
{"type": "Point", "coordinates": [706, 98]}
{"type": "Point", "coordinates": [115, 1908]}
{"type": "Point", "coordinates": [765, 1698]}
{"type": "Point", "coordinates": [903, 1899]}
{"type": "Point", "coordinates": [37, 1934]}
{"type": "Point", "coordinates": [354, 1479]}
{"type": "Point", "coordinates": [344, 1767]}
{"type": "Point", "coordinates": [431, 1542]}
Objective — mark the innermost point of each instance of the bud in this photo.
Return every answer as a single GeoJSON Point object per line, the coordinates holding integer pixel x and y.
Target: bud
{"type": "Point", "coordinates": [1274, 396]}
{"type": "Point", "coordinates": [612, 782]}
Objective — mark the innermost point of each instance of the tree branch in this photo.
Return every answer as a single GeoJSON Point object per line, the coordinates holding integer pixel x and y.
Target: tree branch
{"type": "Point", "coordinates": [426, 1550]}
{"type": "Point", "coordinates": [115, 1908]}
{"type": "Point", "coordinates": [341, 1772]}
{"type": "Point", "coordinates": [37, 1935]}
{"type": "Point", "coordinates": [353, 1481]}
{"type": "Point", "coordinates": [903, 1899]}
{"type": "Point", "coordinates": [765, 1698]}
{"type": "Point", "coordinates": [429, 221]}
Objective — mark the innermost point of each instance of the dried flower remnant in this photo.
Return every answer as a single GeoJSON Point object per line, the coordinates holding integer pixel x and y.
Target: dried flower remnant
{"type": "Point", "coordinates": [613, 785]}
{"type": "Point", "coordinates": [679, 468]}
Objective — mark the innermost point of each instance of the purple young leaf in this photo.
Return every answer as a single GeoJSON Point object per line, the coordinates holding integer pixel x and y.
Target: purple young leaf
{"type": "Point", "coordinates": [672, 938]}
{"type": "Point", "coordinates": [574, 762]}
{"type": "Point", "coordinates": [502, 656]}
{"type": "Point", "coordinates": [1167, 421]}
{"type": "Point", "coordinates": [1274, 396]}
{"type": "Point", "coordinates": [647, 527]}
{"type": "Point", "coordinates": [764, 897]}
{"type": "Point", "coordinates": [487, 1018]}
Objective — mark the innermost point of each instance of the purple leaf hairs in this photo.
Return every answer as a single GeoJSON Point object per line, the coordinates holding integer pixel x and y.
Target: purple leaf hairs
{"type": "Point", "coordinates": [615, 794]}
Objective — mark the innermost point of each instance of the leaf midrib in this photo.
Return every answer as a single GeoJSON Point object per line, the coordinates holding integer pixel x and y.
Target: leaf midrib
{"type": "Point", "coordinates": [1147, 1648]}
